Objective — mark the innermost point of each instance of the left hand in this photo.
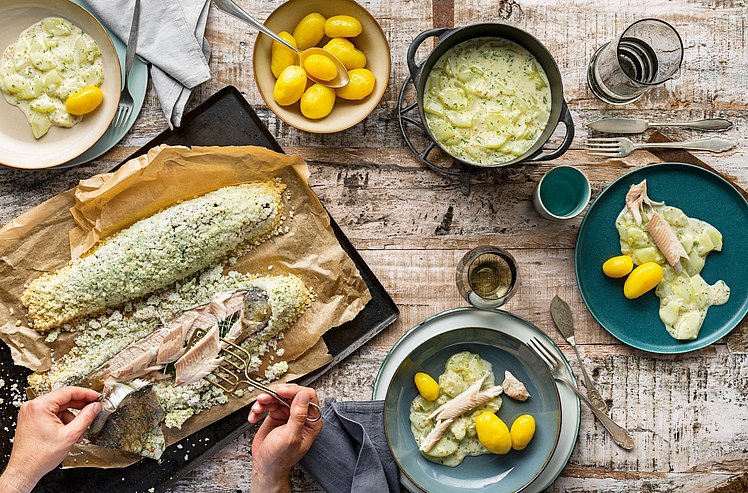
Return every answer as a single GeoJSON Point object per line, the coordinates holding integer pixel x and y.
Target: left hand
{"type": "Point", "coordinates": [45, 432]}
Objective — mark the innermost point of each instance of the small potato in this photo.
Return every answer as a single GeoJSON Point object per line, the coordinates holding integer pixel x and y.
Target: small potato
{"type": "Point", "coordinates": [344, 50]}
{"type": "Point", "coordinates": [342, 26]}
{"type": "Point", "coordinates": [309, 31]}
{"type": "Point", "coordinates": [281, 57]}
{"type": "Point", "coordinates": [317, 102]}
{"type": "Point", "coordinates": [290, 85]}
{"type": "Point", "coordinates": [320, 67]}
{"type": "Point", "coordinates": [360, 85]}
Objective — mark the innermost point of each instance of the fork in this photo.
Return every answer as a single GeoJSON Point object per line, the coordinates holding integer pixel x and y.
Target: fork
{"type": "Point", "coordinates": [622, 147]}
{"type": "Point", "coordinates": [125, 101]}
{"type": "Point", "coordinates": [620, 435]}
{"type": "Point", "coordinates": [234, 371]}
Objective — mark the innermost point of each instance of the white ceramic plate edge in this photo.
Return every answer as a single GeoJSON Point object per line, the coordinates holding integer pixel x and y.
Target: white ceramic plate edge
{"type": "Point", "coordinates": [495, 320]}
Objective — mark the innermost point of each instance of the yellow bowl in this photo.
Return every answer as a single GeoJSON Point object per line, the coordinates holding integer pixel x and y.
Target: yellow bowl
{"type": "Point", "coordinates": [371, 41]}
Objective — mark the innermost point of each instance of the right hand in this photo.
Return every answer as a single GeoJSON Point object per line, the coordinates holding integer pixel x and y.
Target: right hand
{"type": "Point", "coordinates": [283, 438]}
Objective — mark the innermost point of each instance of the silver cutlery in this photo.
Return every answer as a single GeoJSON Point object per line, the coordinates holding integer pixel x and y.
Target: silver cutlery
{"type": "Point", "coordinates": [622, 147]}
{"type": "Point", "coordinates": [621, 436]}
{"type": "Point", "coordinates": [340, 80]}
{"type": "Point", "coordinates": [561, 314]}
{"type": "Point", "coordinates": [125, 101]}
{"type": "Point", "coordinates": [637, 126]}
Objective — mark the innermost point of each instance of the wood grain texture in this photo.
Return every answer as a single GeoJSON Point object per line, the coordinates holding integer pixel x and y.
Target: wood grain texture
{"type": "Point", "coordinates": [688, 412]}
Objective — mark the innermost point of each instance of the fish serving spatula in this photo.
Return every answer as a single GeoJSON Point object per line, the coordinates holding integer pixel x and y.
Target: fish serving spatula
{"type": "Point", "coordinates": [561, 314]}
{"type": "Point", "coordinates": [637, 126]}
{"type": "Point", "coordinates": [234, 371]}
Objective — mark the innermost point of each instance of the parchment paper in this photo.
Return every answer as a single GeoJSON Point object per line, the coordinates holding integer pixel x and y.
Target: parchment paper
{"type": "Point", "coordinates": [69, 224]}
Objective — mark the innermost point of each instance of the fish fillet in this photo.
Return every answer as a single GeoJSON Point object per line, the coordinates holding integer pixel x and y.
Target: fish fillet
{"type": "Point", "coordinates": [435, 435]}
{"type": "Point", "coordinates": [514, 388]}
{"type": "Point", "coordinates": [468, 403]}
{"type": "Point", "coordinates": [636, 197]}
{"type": "Point", "coordinates": [459, 399]}
{"type": "Point", "coordinates": [667, 241]}
{"type": "Point", "coordinates": [200, 360]}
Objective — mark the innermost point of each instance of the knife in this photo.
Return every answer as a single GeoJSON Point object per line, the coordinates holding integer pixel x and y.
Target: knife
{"type": "Point", "coordinates": [636, 126]}
{"type": "Point", "coordinates": [561, 314]}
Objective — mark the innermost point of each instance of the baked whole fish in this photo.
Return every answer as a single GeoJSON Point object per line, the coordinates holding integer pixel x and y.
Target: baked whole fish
{"type": "Point", "coordinates": [155, 252]}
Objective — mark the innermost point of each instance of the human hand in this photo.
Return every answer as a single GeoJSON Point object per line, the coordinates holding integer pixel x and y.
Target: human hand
{"type": "Point", "coordinates": [283, 438]}
{"type": "Point", "coordinates": [45, 432]}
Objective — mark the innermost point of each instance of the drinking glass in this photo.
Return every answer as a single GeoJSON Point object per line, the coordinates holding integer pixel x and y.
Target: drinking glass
{"type": "Point", "coordinates": [487, 277]}
{"type": "Point", "coordinates": [647, 53]}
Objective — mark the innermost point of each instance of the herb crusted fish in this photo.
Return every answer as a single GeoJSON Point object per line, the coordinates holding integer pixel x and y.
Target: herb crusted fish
{"type": "Point", "coordinates": [155, 252]}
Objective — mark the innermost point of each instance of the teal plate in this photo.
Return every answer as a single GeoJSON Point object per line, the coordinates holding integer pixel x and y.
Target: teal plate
{"type": "Point", "coordinates": [511, 472]}
{"type": "Point", "coordinates": [137, 84]}
{"type": "Point", "coordinates": [701, 194]}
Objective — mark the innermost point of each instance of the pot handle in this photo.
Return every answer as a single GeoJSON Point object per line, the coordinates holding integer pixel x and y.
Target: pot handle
{"type": "Point", "coordinates": [568, 138]}
{"type": "Point", "coordinates": [415, 69]}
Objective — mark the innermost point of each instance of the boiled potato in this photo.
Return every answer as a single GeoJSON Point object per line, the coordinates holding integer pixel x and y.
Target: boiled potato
{"type": "Point", "coordinates": [342, 26]}
{"type": "Point", "coordinates": [309, 31]}
{"type": "Point", "coordinates": [280, 56]}
{"type": "Point", "coordinates": [361, 84]}
{"type": "Point", "coordinates": [289, 87]}
{"type": "Point", "coordinates": [317, 102]}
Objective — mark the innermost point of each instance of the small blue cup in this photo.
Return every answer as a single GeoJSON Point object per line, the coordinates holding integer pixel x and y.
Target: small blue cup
{"type": "Point", "coordinates": [562, 193]}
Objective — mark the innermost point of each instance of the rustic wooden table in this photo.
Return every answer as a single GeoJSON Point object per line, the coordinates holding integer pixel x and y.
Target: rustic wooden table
{"type": "Point", "coordinates": [688, 412]}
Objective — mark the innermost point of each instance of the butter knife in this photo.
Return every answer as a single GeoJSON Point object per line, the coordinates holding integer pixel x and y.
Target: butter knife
{"type": "Point", "coordinates": [637, 126]}
{"type": "Point", "coordinates": [561, 314]}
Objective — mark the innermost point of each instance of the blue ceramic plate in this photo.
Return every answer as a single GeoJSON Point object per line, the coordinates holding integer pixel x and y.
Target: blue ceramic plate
{"type": "Point", "coordinates": [137, 84]}
{"type": "Point", "coordinates": [511, 472]}
{"type": "Point", "coordinates": [701, 194]}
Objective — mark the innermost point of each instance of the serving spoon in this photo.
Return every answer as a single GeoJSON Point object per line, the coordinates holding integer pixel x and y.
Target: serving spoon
{"type": "Point", "coordinates": [340, 80]}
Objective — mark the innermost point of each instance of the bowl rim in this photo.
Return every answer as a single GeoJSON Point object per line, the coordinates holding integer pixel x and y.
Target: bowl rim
{"type": "Point", "coordinates": [552, 450]}
{"type": "Point", "coordinates": [347, 126]}
{"type": "Point", "coordinates": [110, 44]}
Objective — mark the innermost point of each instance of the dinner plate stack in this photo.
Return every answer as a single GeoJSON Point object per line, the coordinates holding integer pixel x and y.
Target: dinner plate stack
{"type": "Point", "coordinates": [506, 326]}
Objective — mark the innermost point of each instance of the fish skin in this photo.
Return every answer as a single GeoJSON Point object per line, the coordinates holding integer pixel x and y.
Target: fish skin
{"type": "Point", "coordinates": [435, 435]}
{"type": "Point", "coordinates": [666, 240]}
{"type": "Point", "coordinates": [456, 401]}
{"type": "Point", "coordinates": [200, 360]}
{"type": "Point", "coordinates": [135, 426]}
{"type": "Point", "coordinates": [111, 397]}
{"type": "Point", "coordinates": [124, 360]}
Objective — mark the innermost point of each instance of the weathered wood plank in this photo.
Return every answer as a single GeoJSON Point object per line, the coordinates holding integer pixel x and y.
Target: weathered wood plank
{"type": "Point", "coordinates": [700, 400]}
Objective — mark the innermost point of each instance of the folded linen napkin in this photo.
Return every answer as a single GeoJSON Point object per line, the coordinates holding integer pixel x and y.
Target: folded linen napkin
{"type": "Point", "coordinates": [351, 453]}
{"type": "Point", "coordinates": [171, 39]}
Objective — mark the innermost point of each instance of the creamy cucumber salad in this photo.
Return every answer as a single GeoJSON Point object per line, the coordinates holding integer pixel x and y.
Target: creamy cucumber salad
{"type": "Point", "coordinates": [51, 60]}
{"type": "Point", "coordinates": [487, 100]}
{"type": "Point", "coordinates": [461, 440]}
{"type": "Point", "coordinates": [684, 297]}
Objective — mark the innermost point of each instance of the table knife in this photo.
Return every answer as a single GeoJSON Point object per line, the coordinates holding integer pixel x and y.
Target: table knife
{"type": "Point", "coordinates": [561, 314]}
{"type": "Point", "coordinates": [637, 126]}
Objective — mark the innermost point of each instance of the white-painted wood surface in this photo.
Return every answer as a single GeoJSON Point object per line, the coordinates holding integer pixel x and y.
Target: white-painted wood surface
{"type": "Point", "coordinates": [688, 412]}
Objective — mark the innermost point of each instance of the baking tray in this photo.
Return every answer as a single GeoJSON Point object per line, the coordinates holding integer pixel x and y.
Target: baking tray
{"type": "Point", "coordinates": [224, 119]}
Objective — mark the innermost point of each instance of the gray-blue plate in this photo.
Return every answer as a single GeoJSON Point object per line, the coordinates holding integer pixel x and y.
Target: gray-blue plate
{"type": "Point", "coordinates": [137, 84]}
{"type": "Point", "coordinates": [511, 472]}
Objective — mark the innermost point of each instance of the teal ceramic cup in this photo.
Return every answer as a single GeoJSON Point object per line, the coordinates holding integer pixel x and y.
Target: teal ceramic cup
{"type": "Point", "coordinates": [562, 193]}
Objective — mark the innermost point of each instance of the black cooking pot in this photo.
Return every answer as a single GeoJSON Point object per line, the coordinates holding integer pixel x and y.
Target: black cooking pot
{"type": "Point", "coordinates": [449, 37]}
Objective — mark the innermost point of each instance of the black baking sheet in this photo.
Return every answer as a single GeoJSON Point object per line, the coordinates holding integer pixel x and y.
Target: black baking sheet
{"type": "Point", "coordinates": [224, 119]}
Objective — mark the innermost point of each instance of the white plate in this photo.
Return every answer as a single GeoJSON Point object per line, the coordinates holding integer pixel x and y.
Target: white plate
{"type": "Point", "coordinates": [18, 147]}
{"type": "Point", "coordinates": [502, 322]}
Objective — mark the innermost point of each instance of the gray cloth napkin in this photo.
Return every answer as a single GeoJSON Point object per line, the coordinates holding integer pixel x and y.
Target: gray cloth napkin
{"type": "Point", "coordinates": [351, 453]}
{"type": "Point", "coordinates": [171, 39]}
